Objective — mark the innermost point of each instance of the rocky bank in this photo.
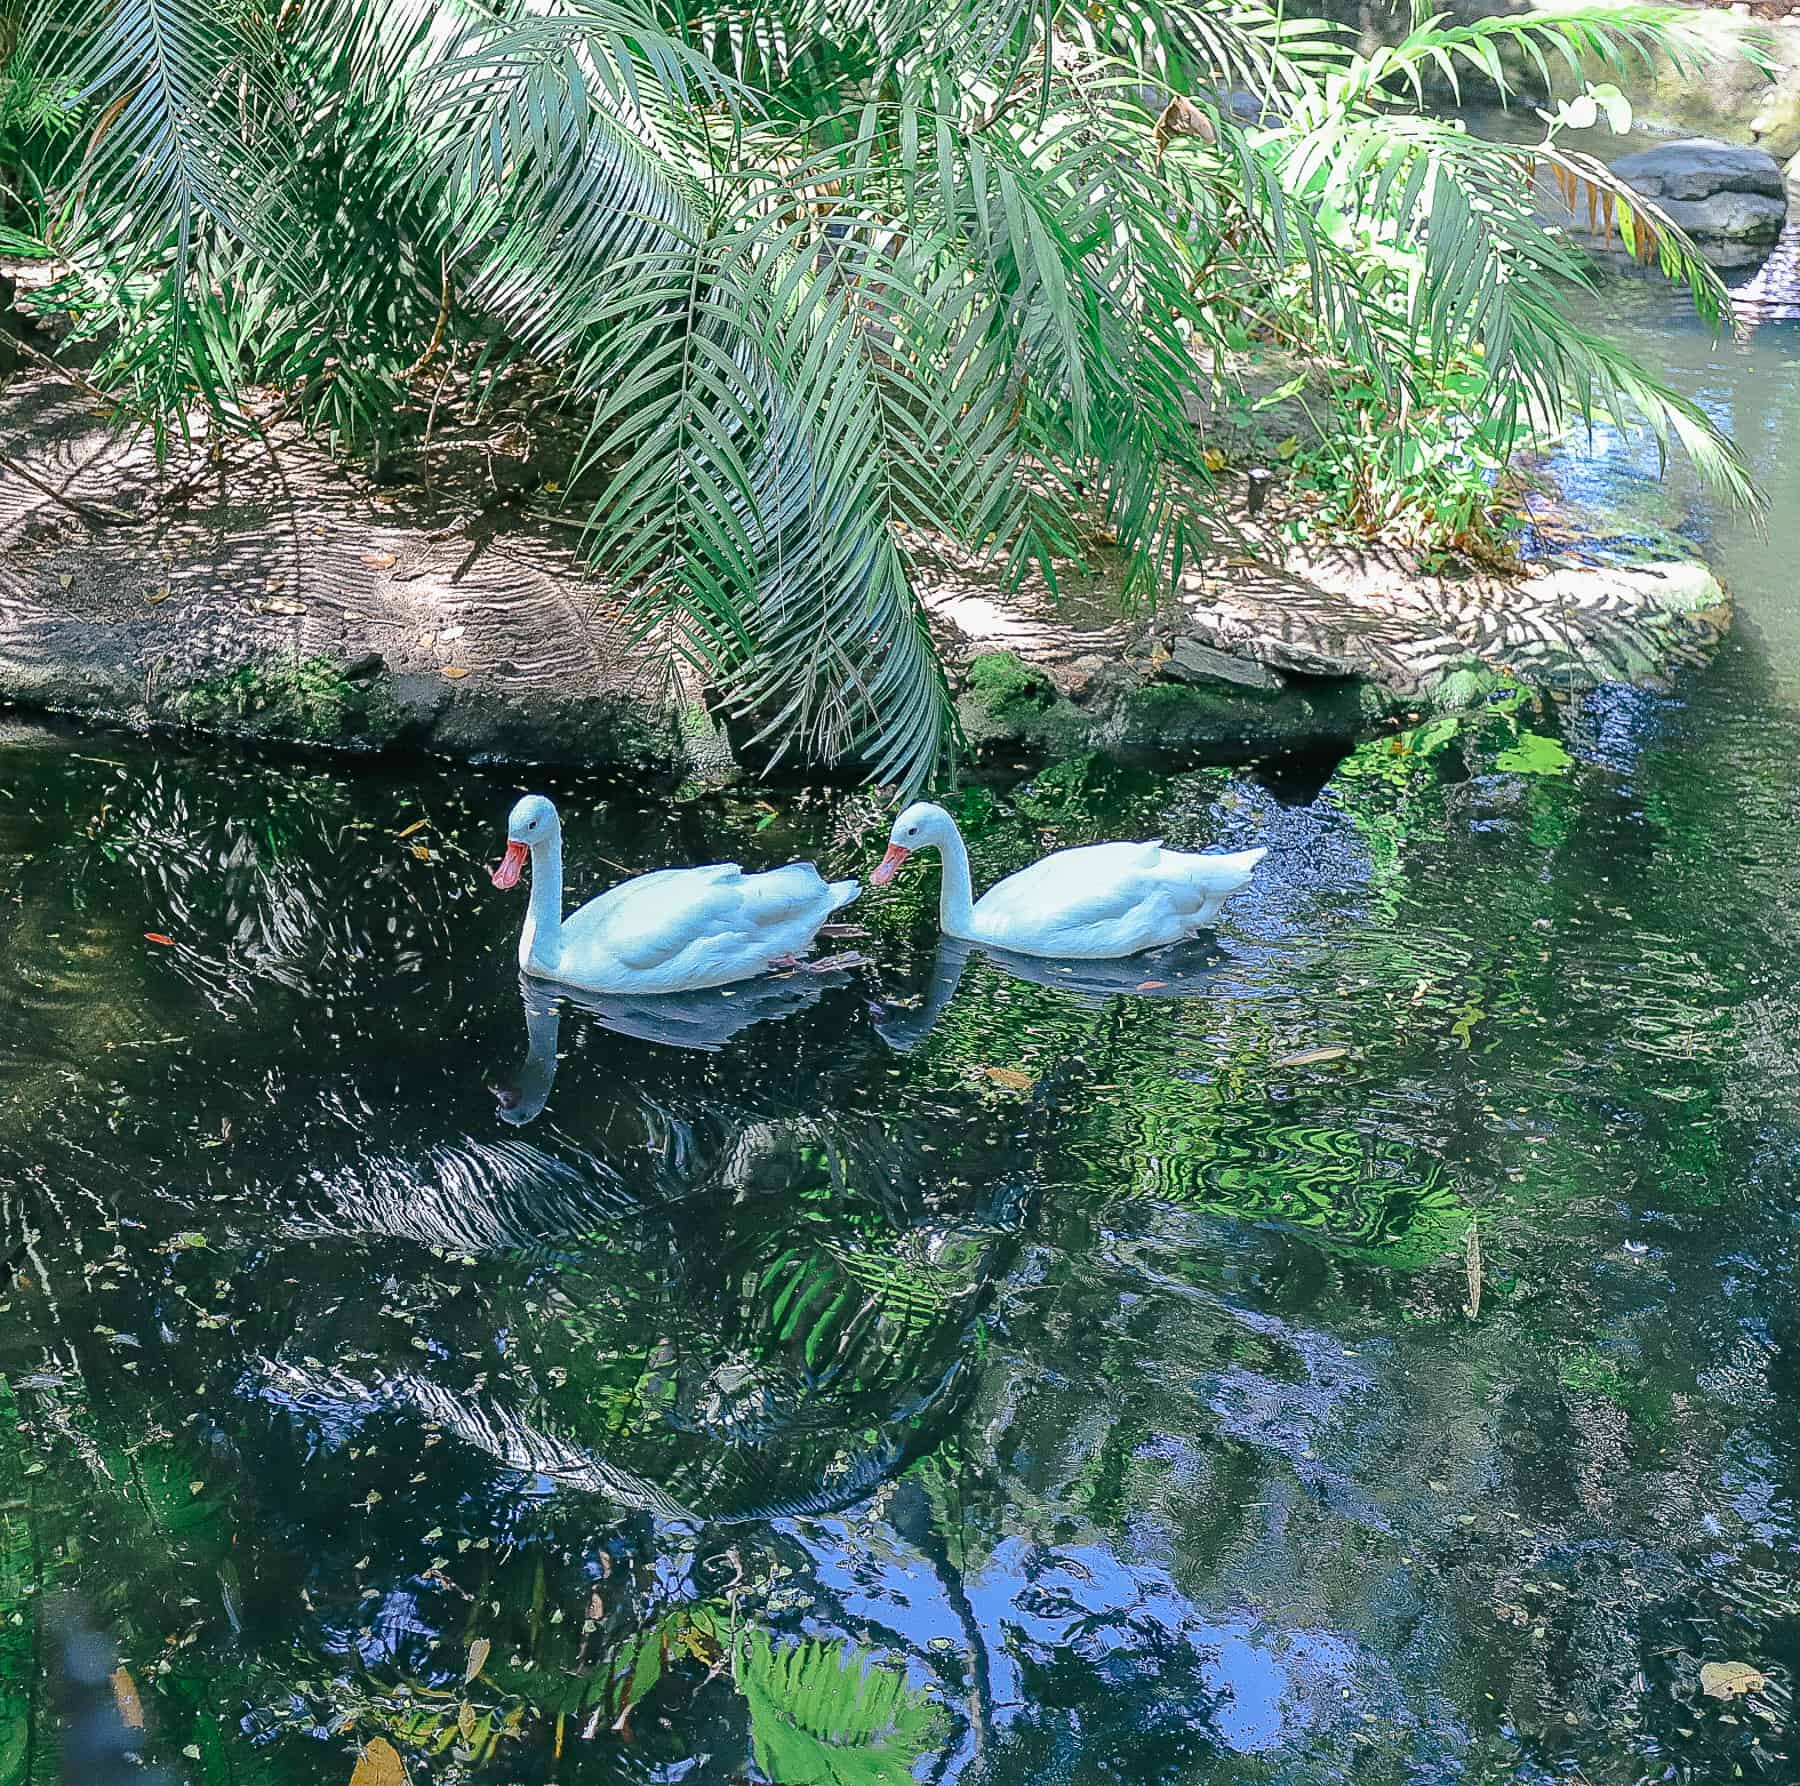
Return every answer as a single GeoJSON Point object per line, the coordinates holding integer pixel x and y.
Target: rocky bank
{"type": "Point", "coordinates": [264, 592]}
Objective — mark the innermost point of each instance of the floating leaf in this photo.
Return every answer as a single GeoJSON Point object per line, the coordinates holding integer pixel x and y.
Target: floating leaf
{"type": "Point", "coordinates": [422, 852]}
{"type": "Point", "coordinates": [1727, 1680]}
{"type": "Point", "coordinates": [1151, 985]}
{"type": "Point", "coordinates": [466, 1721]}
{"type": "Point", "coordinates": [1308, 1057]}
{"type": "Point", "coordinates": [1472, 1262]}
{"type": "Point", "coordinates": [125, 1696]}
{"type": "Point", "coordinates": [1010, 1077]}
{"type": "Point", "coordinates": [379, 1765]}
{"type": "Point", "coordinates": [1534, 754]}
{"type": "Point", "coordinates": [156, 936]}
{"type": "Point", "coordinates": [416, 825]}
{"type": "Point", "coordinates": [478, 1655]}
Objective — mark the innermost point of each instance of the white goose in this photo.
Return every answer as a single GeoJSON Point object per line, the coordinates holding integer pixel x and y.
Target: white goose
{"type": "Point", "coordinates": [1092, 904]}
{"type": "Point", "coordinates": [676, 930]}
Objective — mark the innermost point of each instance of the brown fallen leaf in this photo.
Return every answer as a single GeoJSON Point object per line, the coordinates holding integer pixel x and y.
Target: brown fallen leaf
{"type": "Point", "coordinates": [1181, 117]}
{"type": "Point", "coordinates": [454, 671]}
{"type": "Point", "coordinates": [478, 1655]}
{"type": "Point", "coordinates": [280, 604]}
{"type": "Point", "coordinates": [1308, 1057]}
{"type": "Point", "coordinates": [379, 561]}
{"type": "Point", "coordinates": [156, 936]}
{"type": "Point", "coordinates": [156, 597]}
{"type": "Point", "coordinates": [379, 1765]}
{"type": "Point", "coordinates": [1010, 1077]}
{"type": "Point", "coordinates": [466, 1721]}
{"type": "Point", "coordinates": [1151, 985]}
{"type": "Point", "coordinates": [66, 579]}
{"type": "Point", "coordinates": [125, 1696]}
{"type": "Point", "coordinates": [422, 852]}
{"type": "Point", "coordinates": [1727, 1680]}
{"type": "Point", "coordinates": [416, 825]}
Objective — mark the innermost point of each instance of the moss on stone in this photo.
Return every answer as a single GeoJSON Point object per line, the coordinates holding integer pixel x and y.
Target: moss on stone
{"type": "Point", "coordinates": [308, 699]}
{"type": "Point", "coordinates": [1462, 685]}
{"type": "Point", "coordinates": [1219, 722]}
{"type": "Point", "coordinates": [1003, 682]}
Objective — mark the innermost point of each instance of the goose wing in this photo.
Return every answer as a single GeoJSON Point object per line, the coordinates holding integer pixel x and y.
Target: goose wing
{"type": "Point", "coordinates": [784, 894]}
{"type": "Point", "coordinates": [1102, 883]}
{"type": "Point", "coordinates": [649, 920]}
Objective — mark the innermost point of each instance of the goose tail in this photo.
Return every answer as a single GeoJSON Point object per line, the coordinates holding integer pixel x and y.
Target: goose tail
{"type": "Point", "coordinates": [1220, 876]}
{"type": "Point", "coordinates": [843, 893]}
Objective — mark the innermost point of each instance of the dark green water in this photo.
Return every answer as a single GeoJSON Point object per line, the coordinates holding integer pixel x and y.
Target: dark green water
{"type": "Point", "coordinates": [826, 1407]}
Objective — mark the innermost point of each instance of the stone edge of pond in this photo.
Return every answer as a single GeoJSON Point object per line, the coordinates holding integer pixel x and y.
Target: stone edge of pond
{"type": "Point", "coordinates": [1317, 656]}
{"type": "Point", "coordinates": [273, 597]}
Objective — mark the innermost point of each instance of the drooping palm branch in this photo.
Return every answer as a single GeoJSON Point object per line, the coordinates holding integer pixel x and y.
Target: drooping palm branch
{"type": "Point", "coordinates": [821, 280]}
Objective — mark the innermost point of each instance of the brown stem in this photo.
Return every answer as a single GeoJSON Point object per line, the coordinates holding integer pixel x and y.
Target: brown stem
{"type": "Point", "coordinates": [50, 365]}
{"type": "Point", "coordinates": [98, 511]}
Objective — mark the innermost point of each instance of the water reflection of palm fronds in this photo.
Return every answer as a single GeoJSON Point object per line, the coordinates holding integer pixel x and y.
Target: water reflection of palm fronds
{"type": "Point", "coordinates": [1365, 1197]}
{"type": "Point", "coordinates": [470, 1197]}
{"type": "Point", "coordinates": [820, 1712]}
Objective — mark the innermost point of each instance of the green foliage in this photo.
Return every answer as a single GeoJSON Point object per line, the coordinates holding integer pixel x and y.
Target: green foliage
{"type": "Point", "coordinates": [303, 697]}
{"type": "Point", "coordinates": [1002, 680]}
{"type": "Point", "coordinates": [822, 1715]}
{"type": "Point", "coordinates": [820, 283]}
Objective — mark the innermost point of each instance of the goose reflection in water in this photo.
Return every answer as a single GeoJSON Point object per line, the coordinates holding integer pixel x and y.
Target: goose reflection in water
{"type": "Point", "coordinates": [703, 1021]}
{"type": "Point", "coordinates": [1184, 970]}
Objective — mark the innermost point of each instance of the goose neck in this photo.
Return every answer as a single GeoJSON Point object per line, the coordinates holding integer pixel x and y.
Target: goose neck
{"type": "Point", "coordinates": [540, 945]}
{"type": "Point", "coordinates": [956, 900]}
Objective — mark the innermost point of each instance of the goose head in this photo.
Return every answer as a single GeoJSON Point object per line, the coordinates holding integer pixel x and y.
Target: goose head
{"type": "Point", "coordinates": [921, 826]}
{"type": "Point", "coordinates": [532, 825]}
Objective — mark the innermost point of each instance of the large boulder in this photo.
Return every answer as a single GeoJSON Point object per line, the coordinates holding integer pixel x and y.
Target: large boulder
{"type": "Point", "coordinates": [1698, 168]}
{"type": "Point", "coordinates": [1730, 199]}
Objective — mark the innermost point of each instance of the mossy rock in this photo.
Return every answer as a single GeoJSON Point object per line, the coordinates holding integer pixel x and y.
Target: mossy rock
{"type": "Point", "coordinates": [1462, 685]}
{"type": "Point", "coordinates": [303, 699]}
{"type": "Point", "coordinates": [1225, 724]}
{"type": "Point", "coordinates": [1002, 683]}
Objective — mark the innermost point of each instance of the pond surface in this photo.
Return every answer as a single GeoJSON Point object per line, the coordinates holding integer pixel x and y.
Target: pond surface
{"type": "Point", "coordinates": [1367, 1355]}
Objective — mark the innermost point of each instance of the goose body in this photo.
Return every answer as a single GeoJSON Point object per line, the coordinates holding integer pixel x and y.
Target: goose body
{"type": "Point", "coordinates": [1094, 903]}
{"type": "Point", "coordinates": [676, 930]}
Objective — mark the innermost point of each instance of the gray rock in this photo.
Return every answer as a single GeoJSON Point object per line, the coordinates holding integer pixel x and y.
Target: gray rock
{"type": "Point", "coordinates": [1729, 219]}
{"type": "Point", "coordinates": [1191, 661]}
{"type": "Point", "coordinates": [1699, 167]}
{"type": "Point", "coordinates": [1732, 201]}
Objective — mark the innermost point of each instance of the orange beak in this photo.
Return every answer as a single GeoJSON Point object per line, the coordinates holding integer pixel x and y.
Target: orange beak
{"type": "Point", "coordinates": [512, 865]}
{"type": "Point", "coordinates": [888, 866]}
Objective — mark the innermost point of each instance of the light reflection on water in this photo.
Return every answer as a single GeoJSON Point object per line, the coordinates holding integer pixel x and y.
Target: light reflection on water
{"type": "Point", "coordinates": [1374, 1363]}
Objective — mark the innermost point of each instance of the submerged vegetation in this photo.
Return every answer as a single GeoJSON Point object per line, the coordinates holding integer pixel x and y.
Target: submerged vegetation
{"type": "Point", "coordinates": [811, 284]}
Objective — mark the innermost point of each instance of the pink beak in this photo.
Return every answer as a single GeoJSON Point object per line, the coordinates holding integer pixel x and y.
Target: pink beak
{"type": "Point", "coordinates": [888, 866]}
{"type": "Point", "coordinates": [512, 865]}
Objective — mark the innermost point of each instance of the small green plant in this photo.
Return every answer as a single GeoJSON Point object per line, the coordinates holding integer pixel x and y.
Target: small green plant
{"type": "Point", "coordinates": [302, 697]}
